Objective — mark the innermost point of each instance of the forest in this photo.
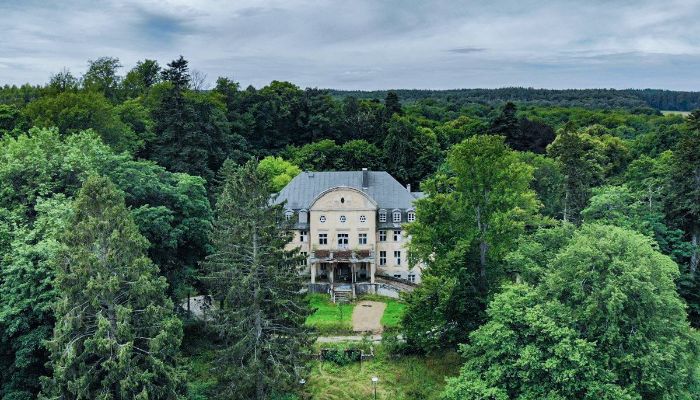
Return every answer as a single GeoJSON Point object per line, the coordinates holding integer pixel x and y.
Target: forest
{"type": "Point", "coordinates": [560, 234]}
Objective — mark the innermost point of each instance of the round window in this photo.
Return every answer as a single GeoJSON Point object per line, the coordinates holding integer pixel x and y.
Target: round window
{"type": "Point", "coordinates": [322, 219]}
{"type": "Point", "coordinates": [363, 219]}
{"type": "Point", "coordinates": [343, 219]}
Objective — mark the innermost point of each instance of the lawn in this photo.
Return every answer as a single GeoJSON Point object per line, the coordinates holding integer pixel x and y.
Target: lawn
{"type": "Point", "coordinates": [330, 318]}
{"type": "Point", "coordinates": [406, 377]}
{"type": "Point", "coordinates": [393, 313]}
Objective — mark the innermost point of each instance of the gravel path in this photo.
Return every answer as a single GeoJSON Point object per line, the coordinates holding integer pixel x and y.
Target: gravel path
{"type": "Point", "coordinates": [367, 316]}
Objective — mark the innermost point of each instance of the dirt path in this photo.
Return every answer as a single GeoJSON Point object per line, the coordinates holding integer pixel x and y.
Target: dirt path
{"type": "Point", "coordinates": [367, 316]}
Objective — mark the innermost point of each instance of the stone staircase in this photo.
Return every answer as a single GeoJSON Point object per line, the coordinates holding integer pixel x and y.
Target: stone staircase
{"type": "Point", "coordinates": [342, 294]}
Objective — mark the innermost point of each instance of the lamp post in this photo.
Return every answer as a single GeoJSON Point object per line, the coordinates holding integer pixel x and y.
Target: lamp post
{"type": "Point", "coordinates": [302, 382]}
{"type": "Point", "coordinates": [375, 380]}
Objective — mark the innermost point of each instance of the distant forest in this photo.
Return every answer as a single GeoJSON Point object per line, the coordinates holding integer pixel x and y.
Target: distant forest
{"type": "Point", "coordinates": [589, 98]}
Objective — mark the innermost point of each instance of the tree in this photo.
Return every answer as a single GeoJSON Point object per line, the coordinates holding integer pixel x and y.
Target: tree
{"type": "Point", "coordinates": [102, 77]}
{"type": "Point", "coordinates": [475, 209]}
{"type": "Point", "coordinates": [392, 104]}
{"type": "Point", "coordinates": [548, 183]}
{"type": "Point", "coordinates": [192, 132]}
{"type": "Point", "coordinates": [604, 322]}
{"type": "Point", "coordinates": [72, 112]}
{"type": "Point", "coordinates": [139, 79]}
{"type": "Point", "coordinates": [264, 343]}
{"type": "Point", "coordinates": [277, 172]}
{"type": "Point", "coordinates": [116, 335]}
{"type": "Point", "coordinates": [581, 159]}
{"type": "Point", "coordinates": [63, 81]}
{"type": "Point", "coordinates": [506, 124]}
{"type": "Point", "coordinates": [178, 74]}
{"type": "Point", "coordinates": [410, 153]}
{"type": "Point", "coordinates": [685, 188]}
{"type": "Point", "coordinates": [27, 270]}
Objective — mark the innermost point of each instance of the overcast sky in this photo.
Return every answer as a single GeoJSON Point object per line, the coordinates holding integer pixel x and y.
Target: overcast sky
{"type": "Point", "coordinates": [367, 44]}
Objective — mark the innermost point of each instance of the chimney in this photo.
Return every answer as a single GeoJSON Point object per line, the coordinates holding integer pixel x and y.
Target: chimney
{"type": "Point", "coordinates": [365, 178]}
{"type": "Point", "coordinates": [408, 187]}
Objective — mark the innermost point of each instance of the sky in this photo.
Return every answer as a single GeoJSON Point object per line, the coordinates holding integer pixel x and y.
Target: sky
{"type": "Point", "coordinates": [366, 44]}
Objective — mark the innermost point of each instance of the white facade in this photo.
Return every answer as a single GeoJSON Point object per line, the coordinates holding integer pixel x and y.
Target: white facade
{"type": "Point", "coordinates": [348, 236]}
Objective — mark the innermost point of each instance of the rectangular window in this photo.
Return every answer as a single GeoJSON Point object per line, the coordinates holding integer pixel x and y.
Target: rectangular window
{"type": "Point", "coordinates": [322, 238]}
{"type": "Point", "coordinates": [382, 236]}
{"type": "Point", "coordinates": [397, 276]}
{"type": "Point", "coordinates": [412, 278]}
{"type": "Point", "coordinates": [305, 255]}
{"type": "Point", "coordinates": [363, 238]}
{"type": "Point", "coordinates": [303, 235]}
{"type": "Point", "coordinates": [323, 266]}
{"type": "Point", "coordinates": [382, 217]}
{"type": "Point", "coordinates": [397, 236]}
{"type": "Point", "coordinates": [397, 256]}
{"type": "Point", "coordinates": [343, 239]}
{"type": "Point", "coordinates": [382, 257]}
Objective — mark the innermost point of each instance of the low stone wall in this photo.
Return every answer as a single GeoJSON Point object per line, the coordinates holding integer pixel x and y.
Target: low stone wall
{"type": "Point", "coordinates": [377, 288]}
{"type": "Point", "coordinates": [324, 288]}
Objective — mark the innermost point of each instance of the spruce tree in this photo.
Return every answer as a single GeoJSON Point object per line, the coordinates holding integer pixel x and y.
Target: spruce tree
{"type": "Point", "coordinates": [116, 336]}
{"type": "Point", "coordinates": [257, 285]}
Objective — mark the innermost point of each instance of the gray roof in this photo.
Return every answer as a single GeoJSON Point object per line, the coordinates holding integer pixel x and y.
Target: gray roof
{"type": "Point", "coordinates": [386, 191]}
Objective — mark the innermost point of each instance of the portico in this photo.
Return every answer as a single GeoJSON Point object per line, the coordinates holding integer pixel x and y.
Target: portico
{"type": "Point", "coordinates": [342, 266]}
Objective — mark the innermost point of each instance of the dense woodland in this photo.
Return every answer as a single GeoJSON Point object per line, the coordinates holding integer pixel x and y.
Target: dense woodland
{"type": "Point", "coordinates": [560, 233]}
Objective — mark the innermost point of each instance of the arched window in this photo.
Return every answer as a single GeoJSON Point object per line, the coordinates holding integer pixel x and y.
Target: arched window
{"type": "Point", "coordinates": [303, 216]}
{"type": "Point", "coordinates": [396, 216]}
{"type": "Point", "coordinates": [411, 216]}
{"type": "Point", "coordinates": [288, 214]}
{"type": "Point", "coordinates": [382, 215]}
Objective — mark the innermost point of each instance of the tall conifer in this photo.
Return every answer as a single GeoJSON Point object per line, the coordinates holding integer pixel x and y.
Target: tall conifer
{"type": "Point", "coordinates": [116, 336]}
{"type": "Point", "coordinates": [256, 282]}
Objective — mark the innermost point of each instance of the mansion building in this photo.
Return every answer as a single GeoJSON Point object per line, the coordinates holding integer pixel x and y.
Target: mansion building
{"type": "Point", "coordinates": [350, 227]}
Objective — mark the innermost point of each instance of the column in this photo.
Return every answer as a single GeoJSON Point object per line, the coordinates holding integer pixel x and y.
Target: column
{"type": "Point", "coordinates": [313, 272]}
{"type": "Point", "coordinates": [352, 272]}
{"type": "Point", "coordinates": [331, 269]}
{"type": "Point", "coordinates": [372, 270]}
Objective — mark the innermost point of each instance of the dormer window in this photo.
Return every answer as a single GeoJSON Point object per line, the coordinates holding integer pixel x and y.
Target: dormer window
{"type": "Point", "coordinates": [288, 214]}
{"type": "Point", "coordinates": [411, 216]}
{"type": "Point", "coordinates": [382, 215]}
{"type": "Point", "coordinates": [303, 217]}
{"type": "Point", "coordinates": [396, 216]}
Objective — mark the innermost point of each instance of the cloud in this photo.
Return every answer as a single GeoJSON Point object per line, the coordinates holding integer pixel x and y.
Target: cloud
{"type": "Point", "coordinates": [466, 50]}
{"type": "Point", "coordinates": [367, 44]}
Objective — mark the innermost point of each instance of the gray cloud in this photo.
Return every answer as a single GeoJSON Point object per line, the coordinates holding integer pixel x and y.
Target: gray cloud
{"type": "Point", "coordinates": [367, 44]}
{"type": "Point", "coordinates": [466, 50]}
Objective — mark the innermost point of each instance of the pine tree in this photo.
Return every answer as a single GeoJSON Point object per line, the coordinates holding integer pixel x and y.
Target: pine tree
{"type": "Point", "coordinates": [116, 336]}
{"type": "Point", "coordinates": [392, 104]}
{"type": "Point", "coordinates": [257, 282]}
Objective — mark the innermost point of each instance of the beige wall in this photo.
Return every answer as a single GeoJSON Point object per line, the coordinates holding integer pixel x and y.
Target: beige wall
{"type": "Point", "coordinates": [353, 204]}
{"type": "Point", "coordinates": [347, 203]}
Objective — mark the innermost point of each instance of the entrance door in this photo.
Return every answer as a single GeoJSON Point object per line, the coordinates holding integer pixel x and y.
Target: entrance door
{"type": "Point", "coordinates": [343, 271]}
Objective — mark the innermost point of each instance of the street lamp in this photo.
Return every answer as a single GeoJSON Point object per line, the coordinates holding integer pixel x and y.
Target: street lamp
{"type": "Point", "coordinates": [302, 382]}
{"type": "Point", "coordinates": [375, 380]}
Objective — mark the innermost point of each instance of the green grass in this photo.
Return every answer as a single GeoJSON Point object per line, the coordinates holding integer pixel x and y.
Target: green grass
{"type": "Point", "coordinates": [683, 113]}
{"type": "Point", "coordinates": [407, 377]}
{"type": "Point", "coordinates": [330, 318]}
{"type": "Point", "coordinates": [393, 313]}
